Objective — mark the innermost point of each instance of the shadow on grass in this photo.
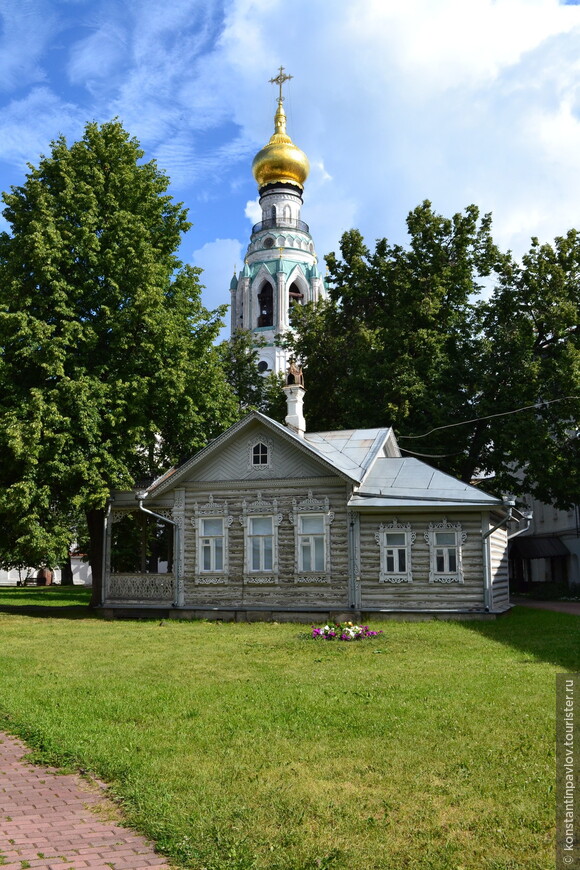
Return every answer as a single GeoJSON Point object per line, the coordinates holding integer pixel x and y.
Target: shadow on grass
{"type": "Point", "coordinates": [546, 635]}
{"type": "Point", "coordinates": [52, 602]}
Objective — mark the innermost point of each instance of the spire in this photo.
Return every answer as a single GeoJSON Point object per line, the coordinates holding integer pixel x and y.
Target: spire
{"type": "Point", "coordinates": [280, 161]}
{"type": "Point", "coordinates": [280, 116]}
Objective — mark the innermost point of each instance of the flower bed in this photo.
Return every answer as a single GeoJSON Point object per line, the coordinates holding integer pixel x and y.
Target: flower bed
{"type": "Point", "coordinates": [343, 631]}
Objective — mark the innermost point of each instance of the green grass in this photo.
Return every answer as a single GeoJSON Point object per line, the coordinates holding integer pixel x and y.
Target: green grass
{"type": "Point", "coordinates": [251, 746]}
{"type": "Point", "coordinates": [12, 597]}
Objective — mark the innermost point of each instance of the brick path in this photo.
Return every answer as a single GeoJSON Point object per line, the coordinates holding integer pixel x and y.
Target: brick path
{"type": "Point", "coordinates": [46, 821]}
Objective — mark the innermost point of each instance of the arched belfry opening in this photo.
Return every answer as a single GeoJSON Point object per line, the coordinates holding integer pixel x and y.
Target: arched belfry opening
{"type": "Point", "coordinates": [295, 296]}
{"type": "Point", "coordinates": [266, 305]}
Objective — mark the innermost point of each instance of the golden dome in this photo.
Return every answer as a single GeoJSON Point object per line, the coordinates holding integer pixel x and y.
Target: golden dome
{"type": "Point", "coordinates": [280, 160]}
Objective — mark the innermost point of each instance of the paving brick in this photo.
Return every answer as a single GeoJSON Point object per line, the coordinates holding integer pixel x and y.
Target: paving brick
{"type": "Point", "coordinates": [44, 813]}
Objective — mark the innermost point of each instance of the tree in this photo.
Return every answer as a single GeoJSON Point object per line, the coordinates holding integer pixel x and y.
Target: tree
{"type": "Point", "coordinates": [254, 391]}
{"type": "Point", "coordinates": [405, 341]}
{"type": "Point", "coordinates": [107, 364]}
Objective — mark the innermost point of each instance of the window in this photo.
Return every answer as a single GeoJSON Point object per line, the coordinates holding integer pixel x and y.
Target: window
{"type": "Point", "coordinates": [445, 543]}
{"type": "Point", "coordinates": [311, 545]}
{"type": "Point", "coordinates": [259, 454]}
{"type": "Point", "coordinates": [212, 544]}
{"type": "Point", "coordinates": [312, 520]}
{"type": "Point", "coordinates": [261, 541]}
{"type": "Point", "coordinates": [395, 541]}
{"type": "Point", "coordinates": [260, 520]}
{"type": "Point", "coordinates": [211, 523]}
{"type": "Point", "coordinates": [445, 552]}
{"type": "Point", "coordinates": [395, 553]}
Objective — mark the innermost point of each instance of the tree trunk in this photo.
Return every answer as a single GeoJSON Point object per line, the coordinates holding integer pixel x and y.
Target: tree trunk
{"type": "Point", "coordinates": [95, 521]}
{"type": "Point", "coordinates": [66, 572]}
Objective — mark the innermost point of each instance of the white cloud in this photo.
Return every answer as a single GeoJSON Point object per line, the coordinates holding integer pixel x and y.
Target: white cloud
{"type": "Point", "coordinates": [253, 211]}
{"type": "Point", "coordinates": [26, 29]}
{"type": "Point", "coordinates": [99, 55]}
{"type": "Point", "coordinates": [29, 125]}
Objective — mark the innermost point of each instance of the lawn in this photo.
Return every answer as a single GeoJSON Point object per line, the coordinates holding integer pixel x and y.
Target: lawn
{"type": "Point", "coordinates": [252, 746]}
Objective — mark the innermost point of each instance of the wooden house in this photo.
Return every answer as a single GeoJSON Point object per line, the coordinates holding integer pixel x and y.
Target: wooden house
{"type": "Point", "coordinates": [272, 522]}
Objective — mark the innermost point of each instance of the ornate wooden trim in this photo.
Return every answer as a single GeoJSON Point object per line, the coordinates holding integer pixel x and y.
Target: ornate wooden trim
{"type": "Point", "coordinates": [381, 539]}
{"type": "Point", "coordinates": [311, 505]}
{"type": "Point", "coordinates": [446, 577]}
{"type": "Point", "coordinates": [219, 510]}
{"type": "Point", "coordinates": [146, 587]}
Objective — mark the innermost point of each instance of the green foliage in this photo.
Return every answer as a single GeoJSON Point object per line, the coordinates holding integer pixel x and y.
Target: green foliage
{"type": "Point", "coordinates": [405, 341]}
{"type": "Point", "coordinates": [253, 390]}
{"type": "Point", "coordinates": [107, 364]}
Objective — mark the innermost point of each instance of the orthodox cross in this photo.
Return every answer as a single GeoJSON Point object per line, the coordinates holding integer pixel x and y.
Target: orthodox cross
{"type": "Point", "coordinates": [279, 80]}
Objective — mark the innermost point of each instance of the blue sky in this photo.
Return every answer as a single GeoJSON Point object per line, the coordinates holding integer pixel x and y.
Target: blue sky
{"type": "Point", "coordinates": [394, 101]}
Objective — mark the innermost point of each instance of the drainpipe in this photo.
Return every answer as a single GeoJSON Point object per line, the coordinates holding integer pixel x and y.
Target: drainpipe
{"type": "Point", "coordinates": [178, 597]}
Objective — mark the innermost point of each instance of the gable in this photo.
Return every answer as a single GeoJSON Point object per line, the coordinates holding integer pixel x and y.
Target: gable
{"type": "Point", "coordinates": [233, 461]}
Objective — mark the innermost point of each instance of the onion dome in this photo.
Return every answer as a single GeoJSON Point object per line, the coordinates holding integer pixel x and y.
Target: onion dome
{"type": "Point", "coordinates": [280, 160]}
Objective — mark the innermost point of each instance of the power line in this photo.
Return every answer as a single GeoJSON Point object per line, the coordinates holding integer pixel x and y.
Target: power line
{"type": "Point", "coordinates": [430, 455]}
{"type": "Point", "coordinates": [537, 405]}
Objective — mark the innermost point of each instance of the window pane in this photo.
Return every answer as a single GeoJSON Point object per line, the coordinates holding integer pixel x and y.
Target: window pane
{"type": "Point", "coordinates": [261, 525]}
{"type": "Point", "coordinates": [402, 560]}
{"type": "Point", "coordinates": [440, 560]}
{"type": "Point", "coordinates": [206, 556]}
{"type": "Point", "coordinates": [390, 561]}
{"type": "Point", "coordinates": [219, 554]}
{"type": "Point", "coordinates": [452, 560]}
{"type": "Point", "coordinates": [445, 539]}
{"type": "Point", "coordinates": [312, 525]}
{"type": "Point", "coordinates": [256, 554]}
{"type": "Point", "coordinates": [319, 554]}
{"type": "Point", "coordinates": [260, 454]}
{"type": "Point", "coordinates": [396, 539]}
{"type": "Point", "coordinates": [267, 554]}
{"type": "Point", "coordinates": [213, 527]}
{"type": "Point", "coordinates": [306, 555]}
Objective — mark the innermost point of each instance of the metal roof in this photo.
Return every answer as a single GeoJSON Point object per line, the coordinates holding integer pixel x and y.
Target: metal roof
{"type": "Point", "coordinates": [368, 458]}
{"type": "Point", "coordinates": [350, 450]}
{"type": "Point", "coordinates": [407, 481]}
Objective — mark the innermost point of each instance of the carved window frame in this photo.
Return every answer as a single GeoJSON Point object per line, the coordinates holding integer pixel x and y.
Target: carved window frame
{"type": "Point", "coordinates": [252, 444]}
{"type": "Point", "coordinates": [395, 527]}
{"type": "Point", "coordinates": [456, 529]}
{"type": "Point", "coordinates": [258, 509]}
{"type": "Point", "coordinates": [311, 506]}
{"type": "Point", "coordinates": [211, 510]}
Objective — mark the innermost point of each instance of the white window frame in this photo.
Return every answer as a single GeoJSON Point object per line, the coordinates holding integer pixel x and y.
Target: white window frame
{"type": "Point", "coordinates": [381, 537]}
{"type": "Point", "coordinates": [444, 527]}
{"type": "Point", "coordinates": [260, 509]}
{"type": "Point", "coordinates": [262, 466]}
{"type": "Point", "coordinates": [309, 507]}
{"type": "Point", "coordinates": [211, 510]}
{"type": "Point", "coordinates": [260, 538]}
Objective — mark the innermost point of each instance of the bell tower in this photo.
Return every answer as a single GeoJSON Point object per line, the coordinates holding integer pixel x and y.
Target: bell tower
{"type": "Point", "coordinates": [280, 268]}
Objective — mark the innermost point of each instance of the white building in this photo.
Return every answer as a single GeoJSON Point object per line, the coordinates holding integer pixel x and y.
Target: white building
{"type": "Point", "coordinates": [280, 268]}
